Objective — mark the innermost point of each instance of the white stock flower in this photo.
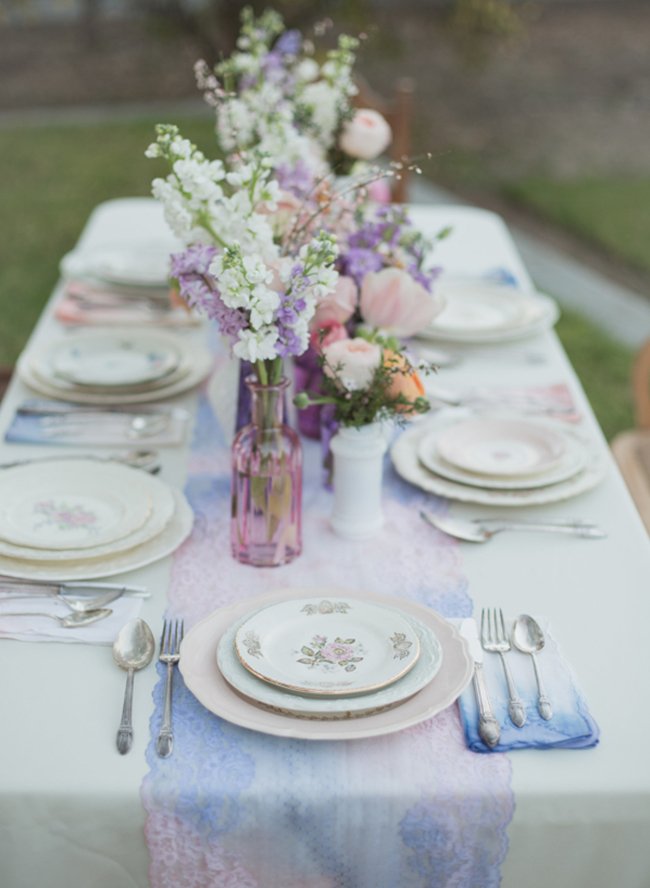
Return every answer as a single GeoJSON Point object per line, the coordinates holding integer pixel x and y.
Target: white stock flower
{"type": "Point", "coordinates": [256, 345]}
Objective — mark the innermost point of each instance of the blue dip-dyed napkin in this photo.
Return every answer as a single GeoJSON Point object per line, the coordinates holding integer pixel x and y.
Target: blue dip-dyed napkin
{"type": "Point", "coordinates": [572, 725]}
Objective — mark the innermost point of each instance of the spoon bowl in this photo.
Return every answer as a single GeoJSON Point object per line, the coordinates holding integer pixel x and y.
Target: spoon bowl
{"type": "Point", "coordinates": [527, 637]}
{"type": "Point", "coordinates": [133, 649]}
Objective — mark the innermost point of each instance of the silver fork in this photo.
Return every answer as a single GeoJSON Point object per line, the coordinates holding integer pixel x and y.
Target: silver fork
{"type": "Point", "coordinates": [170, 643]}
{"type": "Point", "coordinates": [494, 640]}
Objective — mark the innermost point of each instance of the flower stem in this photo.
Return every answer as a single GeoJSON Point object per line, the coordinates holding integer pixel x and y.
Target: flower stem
{"type": "Point", "coordinates": [262, 373]}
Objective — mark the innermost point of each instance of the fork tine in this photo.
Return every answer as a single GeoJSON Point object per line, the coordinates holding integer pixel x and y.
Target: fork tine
{"type": "Point", "coordinates": [497, 631]}
{"type": "Point", "coordinates": [483, 638]}
{"type": "Point", "coordinates": [175, 645]}
{"type": "Point", "coordinates": [503, 625]}
{"type": "Point", "coordinates": [168, 639]}
{"type": "Point", "coordinates": [162, 637]}
{"type": "Point", "coordinates": [182, 629]}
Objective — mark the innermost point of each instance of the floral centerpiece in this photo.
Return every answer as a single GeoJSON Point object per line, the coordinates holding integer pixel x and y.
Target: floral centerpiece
{"type": "Point", "coordinates": [264, 224]}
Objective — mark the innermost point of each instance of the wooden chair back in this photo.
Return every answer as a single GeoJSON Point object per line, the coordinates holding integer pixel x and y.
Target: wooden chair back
{"type": "Point", "coordinates": [641, 386]}
{"type": "Point", "coordinates": [399, 114]}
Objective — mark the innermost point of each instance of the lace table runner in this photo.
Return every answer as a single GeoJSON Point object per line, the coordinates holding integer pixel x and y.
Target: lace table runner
{"type": "Point", "coordinates": [233, 808]}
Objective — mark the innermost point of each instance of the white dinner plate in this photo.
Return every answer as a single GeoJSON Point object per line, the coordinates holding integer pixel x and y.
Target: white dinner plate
{"type": "Point", "coordinates": [477, 312]}
{"type": "Point", "coordinates": [71, 504]}
{"type": "Point", "coordinates": [404, 454]}
{"type": "Point", "coordinates": [501, 447]}
{"type": "Point", "coordinates": [176, 532]}
{"type": "Point", "coordinates": [145, 265]}
{"type": "Point", "coordinates": [572, 462]}
{"type": "Point", "coordinates": [200, 359]}
{"type": "Point", "coordinates": [198, 665]}
{"type": "Point", "coordinates": [109, 359]}
{"type": "Point", "coordinates": [329, 647]}
{"type": "Point", "coordinates": [281, 700]}
{"type": "Point", "coordinates": [162, 510]}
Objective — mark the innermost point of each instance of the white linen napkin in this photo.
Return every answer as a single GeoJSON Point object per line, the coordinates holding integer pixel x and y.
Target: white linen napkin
{"type": "Point", "coordinates": [45, 629]}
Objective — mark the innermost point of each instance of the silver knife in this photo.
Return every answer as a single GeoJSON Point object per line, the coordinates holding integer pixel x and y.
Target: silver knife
{"type": "Point", "coordinates": [52, 587]}
{"type": "Point", "coordinates": [488, 726]}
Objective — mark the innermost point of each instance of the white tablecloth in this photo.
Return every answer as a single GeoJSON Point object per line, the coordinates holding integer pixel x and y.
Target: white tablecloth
{"type": "Point", "coordinates": [70, 812]}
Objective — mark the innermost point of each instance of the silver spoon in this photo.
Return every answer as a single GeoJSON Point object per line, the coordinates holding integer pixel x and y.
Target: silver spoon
{"type": "Point", "coordinates": [528, 638]}
{"type": "Point", "coordinates": [81, 605]}
{"type": "Point", "coordinates": [133, 649]}
{"type": "Point", "coordinates": [70, 621]}
{"type": "Point", "coordinates": [476, 532]}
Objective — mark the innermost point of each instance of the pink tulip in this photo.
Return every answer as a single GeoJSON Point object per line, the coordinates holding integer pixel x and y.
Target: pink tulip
{"type": "Point", "coordinates": [338, 306]}
{"type": "Point", "coordinates": [366, 135]}
{"type": "Point", "coordinates": [331, 332]}
{"type": "Point", "coordinates": [393, 301]}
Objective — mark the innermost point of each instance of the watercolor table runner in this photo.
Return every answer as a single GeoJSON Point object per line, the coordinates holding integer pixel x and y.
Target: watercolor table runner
{"type": "Point", "coordinates": [232, 808]}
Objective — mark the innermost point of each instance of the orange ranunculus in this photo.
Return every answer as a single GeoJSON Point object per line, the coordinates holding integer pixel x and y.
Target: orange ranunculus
{"type": "Point", "coordinates": [407, 381]}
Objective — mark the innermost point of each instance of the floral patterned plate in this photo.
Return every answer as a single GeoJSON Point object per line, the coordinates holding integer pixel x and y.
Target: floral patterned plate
{"type": "Point", "coordinates": [328, 647]}
{"type": "Point", "coordinates": [281, 700]}
{"type": "Point", "coordinates": [71, 504]}
{"type": "Point", "coordinates": [201, 673]}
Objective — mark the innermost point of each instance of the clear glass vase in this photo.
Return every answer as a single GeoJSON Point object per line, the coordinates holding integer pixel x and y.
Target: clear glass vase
{"type": "Point", "coordinates": [266, 482]}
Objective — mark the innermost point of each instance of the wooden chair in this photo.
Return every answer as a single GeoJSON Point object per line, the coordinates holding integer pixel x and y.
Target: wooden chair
{"type": "Point", "coordinates": [399, 114]}
{"type": "Point", "coordinates": [632, 449]}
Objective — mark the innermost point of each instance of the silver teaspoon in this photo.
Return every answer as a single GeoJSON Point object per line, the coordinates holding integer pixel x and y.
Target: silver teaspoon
{"type": "Point", "coordinates": [133, 649]}
{"type": "Point", "coordinates": [528, 638]}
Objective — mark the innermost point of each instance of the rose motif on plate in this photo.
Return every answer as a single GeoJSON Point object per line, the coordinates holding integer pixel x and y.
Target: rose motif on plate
{"type": "Point", "coordinates": [328, 655]}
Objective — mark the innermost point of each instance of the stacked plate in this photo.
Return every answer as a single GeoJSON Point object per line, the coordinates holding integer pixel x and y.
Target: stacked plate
{"type": "Point", "coordinates": [498, 458]}
{"type": "Point", "coordinates": [332, 658]}
{"type": "Point", "coordinates": [476, 311]}
{"type": "Point", "coordinates": [139, 271]}
{"type": "Point", "coordinates": [117, 366]}
{"type": "Point", "coordinates": [80, 519]}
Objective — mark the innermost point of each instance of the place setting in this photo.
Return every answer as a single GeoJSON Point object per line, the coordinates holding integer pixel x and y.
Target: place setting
{"type": "Point", "coordinates": [81, 519]}
{"type": "Point", "coordinates": [478, 311]}
{"type": "Point", "coordinates": [119, 366]}
{"type": "Point", "coordinates": [325, 663]}
{"type": "Point", "coordinates": [497, 457]}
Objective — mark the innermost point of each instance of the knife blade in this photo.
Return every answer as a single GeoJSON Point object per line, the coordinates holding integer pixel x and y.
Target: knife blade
{"type": "Point", "coordinates": [488, 726]}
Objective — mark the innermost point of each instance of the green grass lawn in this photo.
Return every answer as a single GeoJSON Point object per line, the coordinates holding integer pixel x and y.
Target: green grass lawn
{"type": "Point", "coordinates": [611, 213]}
{"type": "Point", "coordinates": [55, 176]}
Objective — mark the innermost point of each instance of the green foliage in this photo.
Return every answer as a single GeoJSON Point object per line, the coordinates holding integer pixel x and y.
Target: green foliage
{"type": "Point", "coordinates": [603, 367]}
{"type": "Point", "coordinates": [612, 213]}
{"type": "Point", "coordinates": [53, 179]}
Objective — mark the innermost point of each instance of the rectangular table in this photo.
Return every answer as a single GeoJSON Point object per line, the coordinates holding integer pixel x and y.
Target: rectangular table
{"type": "Point", "coordinates": [70, 812]}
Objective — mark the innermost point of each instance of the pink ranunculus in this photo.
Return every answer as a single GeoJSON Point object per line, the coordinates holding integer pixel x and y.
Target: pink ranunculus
{"type": "Point", "coordinates": [366, 135]}
{"type": "Point", "coordinates": [392, 300]}
{"type": "Point", "coordinates": [338, 306]}
{"type": "Point", "coordinates": [353, 362]}
{"type": "Point", "coordinates": [331, 332]}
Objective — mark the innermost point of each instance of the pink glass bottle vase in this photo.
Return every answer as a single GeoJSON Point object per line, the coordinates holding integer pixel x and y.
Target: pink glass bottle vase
{"type": "Point", "coordinates": [266, 482]}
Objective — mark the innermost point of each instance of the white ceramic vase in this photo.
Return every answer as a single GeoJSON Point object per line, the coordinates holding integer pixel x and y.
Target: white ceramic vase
{"type": "Point", "coordinates": [358, 469]}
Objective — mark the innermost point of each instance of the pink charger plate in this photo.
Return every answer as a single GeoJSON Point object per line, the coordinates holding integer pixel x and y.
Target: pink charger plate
{"type": "Point", "coordinates": [198, 666]}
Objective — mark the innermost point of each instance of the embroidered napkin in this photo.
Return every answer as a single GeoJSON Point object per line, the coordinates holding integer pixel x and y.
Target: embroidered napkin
{"type": "Point", "coordinates": [38, 628]}
{"type": "Point", "coordinates": [571, 726]}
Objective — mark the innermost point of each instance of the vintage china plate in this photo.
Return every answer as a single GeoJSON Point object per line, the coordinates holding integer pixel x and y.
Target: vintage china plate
{"type": "Point", "coordinates": [315, 707]}
{"type": "Point", "coordinates": [195, 355]}
{"type": "Point", "coordinates": [198, 665]}
{"type": "Point", "coordinates": [501, 447]}
{"type": "Point", "coordinates": [146, 265]}
{"type": "Point", "coordinates": [477, 311]}
{"type": "Point", "coordinates": [71, 504]}
{"type": "Point", "coordinates": [163, 504]}
{"type": "Point", "coordinates": [107, 359]}
{"type": "Point", "coordinates": [404, 454]}
{"type": "Point", "coordinates": [173, 535]}
{"type": "Point", "coordinates": [571, 463]}
{"type": "Point", "coordinates": [328, 647]}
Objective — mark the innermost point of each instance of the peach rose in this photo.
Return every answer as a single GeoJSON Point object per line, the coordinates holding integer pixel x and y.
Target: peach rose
{"type": "Point", "coordinates": [356, 360]}
{"type": "Point", "coordinates": [392, 300]}
{"type": "Point", "coordinates": [366, 135]}
{"type": "Point", "coordinates": [407, 381]}
{"type": "Point", "coordinates": [333, 332]}
{"type": "Point", "coordinates": [338, 306]}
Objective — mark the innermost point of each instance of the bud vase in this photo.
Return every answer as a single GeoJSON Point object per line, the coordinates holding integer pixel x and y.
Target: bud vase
{"type": "Point", "coordinates": [358, 470]}
{"type": "Point", "coordinates": [266, 482]}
